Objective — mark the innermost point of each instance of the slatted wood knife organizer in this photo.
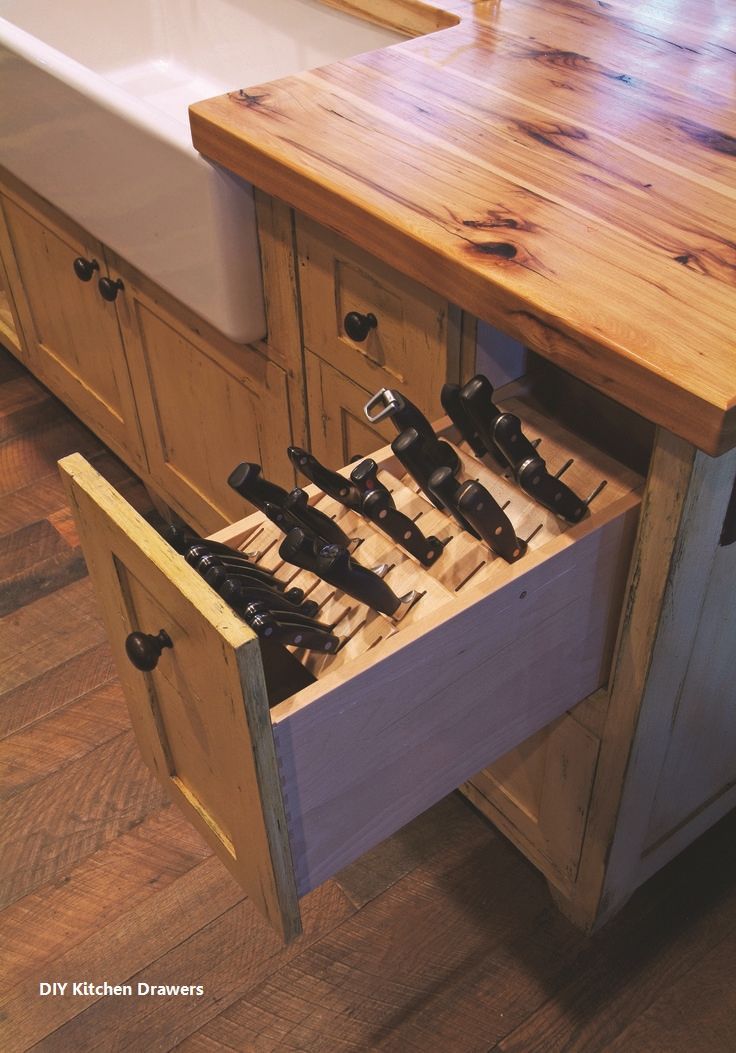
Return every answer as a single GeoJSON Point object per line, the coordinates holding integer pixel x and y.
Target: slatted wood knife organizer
{"type": "Point", "coordinates": [405, 711]}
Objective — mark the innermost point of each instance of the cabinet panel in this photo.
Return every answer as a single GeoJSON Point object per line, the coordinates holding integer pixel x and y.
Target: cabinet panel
{"type": "Point", "coordinates": [338, 429]}
{"type": "Point", "coordinates": [74, 338]}
{"type": "Point", "coordinates": [203, 409]}
{"type": "Point", "coordinates": [415, 342]}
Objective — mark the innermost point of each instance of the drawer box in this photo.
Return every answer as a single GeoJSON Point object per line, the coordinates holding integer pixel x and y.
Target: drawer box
{"type": "Point", "coordinates": [349, 747]}
{"type": "Point", "coordinates": [415, 344]}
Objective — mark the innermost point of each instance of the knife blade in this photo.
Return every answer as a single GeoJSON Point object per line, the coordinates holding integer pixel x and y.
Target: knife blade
{"type": "Point", "coordinates": [485, 514]}
{"type": "Point", "coordinates": [378, 506]}
{"type": "Point", "coordinates": [331, 483]}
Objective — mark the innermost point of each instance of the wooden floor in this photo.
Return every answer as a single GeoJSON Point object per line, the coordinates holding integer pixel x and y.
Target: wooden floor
{"type": "Point", "coordinates": [443, 940]}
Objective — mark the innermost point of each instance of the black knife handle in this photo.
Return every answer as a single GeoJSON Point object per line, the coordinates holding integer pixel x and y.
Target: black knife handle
{"type": "Point", "coordinates": [446, 488]}
{"type": "Point", "coordinates": [379, 508]}
{"type": "Point", "coordinates": [405, 414]}
{"type": "Point", "coordinates": [332, 483]}
{"type": "Point", "coordinates": [477, 399]}
{"type": "Point", "coordinates": [294, 617]}
{"type": "Point", "coordinates": [365, 478]}
{"type": "Point", "coordinates": [457, 411]}
{"type": "Point", "coordinates": [485, 514]}
{"type": "Point", "coordinates": [247, 481]}
{"type": "Point", "coordinates": [551, 493]}
{"type": "Point", "coordinates": [408, 448]}
{"type": "Point", "coordinates": [267, 626]}
{"type": "Point", "coordinates": [220, 570]}
{"type": "Point", "coordinates": [300, 548]}
{"type": "Point", "coordinates": [201, 559]}
{"type": "Point", "coordinates": [238, 595]}
{"type": "Point", "coordinates": [337, 568]}
{"type": "Point", "coordinates": [513, 443]}
{"type": "Point", "coordinates": [297, 502]}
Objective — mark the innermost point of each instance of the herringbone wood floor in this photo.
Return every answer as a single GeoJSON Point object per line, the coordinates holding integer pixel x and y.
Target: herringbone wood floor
{"type": "Point", "coordinates": [444, 940]}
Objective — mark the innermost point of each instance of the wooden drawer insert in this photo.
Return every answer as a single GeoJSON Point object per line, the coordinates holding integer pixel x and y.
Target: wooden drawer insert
{"type": "Point", "coordinates": [403, 712]}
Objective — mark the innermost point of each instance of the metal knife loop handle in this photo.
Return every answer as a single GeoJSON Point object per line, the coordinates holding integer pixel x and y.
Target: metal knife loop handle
{"type": "Point", "coordinates": [144, 650]}
{"type": "Point", "coordinates": [357, 326]}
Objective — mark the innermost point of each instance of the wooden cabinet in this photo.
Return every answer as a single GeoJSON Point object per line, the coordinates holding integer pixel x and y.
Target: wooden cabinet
{"type": "Point", "coordinates": [410, 338]}
{"type": "Point", "coordinates": [72, 333]}
{"type": "Point", "coordinates": [289, 789]}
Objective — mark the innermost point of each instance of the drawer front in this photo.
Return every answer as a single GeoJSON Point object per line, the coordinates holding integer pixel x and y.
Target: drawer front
{"type": "Point", "coordinates": [414, 344]}
{"type": "Point", "coordinates": [366, 738]}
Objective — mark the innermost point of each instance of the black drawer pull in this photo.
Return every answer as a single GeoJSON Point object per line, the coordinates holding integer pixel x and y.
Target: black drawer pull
{"type": "Point", "coordinates": [84, 269]}
{"type": "Point", "coordinates": [109, 289]}
{"type": "Point", "coordinates": [358, 326]}
{"type": "Point", "coordinates": [144, 650]}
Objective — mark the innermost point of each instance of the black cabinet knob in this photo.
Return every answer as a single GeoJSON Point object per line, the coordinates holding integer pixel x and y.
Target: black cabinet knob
{"type": "Point", "coordinates": [358, 326]}
{"type": "Point", "coordinates": [144, 650]}
{"type": "Point", "coordinates": [109, 289]}
{"type": "Point", "coordinates": [84, 269]}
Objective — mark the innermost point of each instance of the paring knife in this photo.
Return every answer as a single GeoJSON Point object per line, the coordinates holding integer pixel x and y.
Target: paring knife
{"type": "Point", "coordinates": [405, 414]}
{"type": "Point", "coordinates": [331, 483]}
{"type": "Point", "coordinates": [378, 506]}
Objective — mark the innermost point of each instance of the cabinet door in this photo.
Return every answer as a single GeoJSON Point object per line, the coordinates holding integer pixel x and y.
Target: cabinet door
{"type": "Point", "coordinates": [204, 407]}
{"type": "Point", "coordinates": [74, 343]}
{"type": "Point", "coordinates": [338, 429]}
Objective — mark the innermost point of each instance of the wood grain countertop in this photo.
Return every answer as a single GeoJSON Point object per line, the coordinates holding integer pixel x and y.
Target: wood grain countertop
{"type": "Point", "coordinates": [563, 169]}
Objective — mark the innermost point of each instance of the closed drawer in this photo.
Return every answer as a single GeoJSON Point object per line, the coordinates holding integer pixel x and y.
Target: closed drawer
{"type": "Point", "coordinates": [414, 344]}
{"type": "Point", "coordinates": [349, 747]}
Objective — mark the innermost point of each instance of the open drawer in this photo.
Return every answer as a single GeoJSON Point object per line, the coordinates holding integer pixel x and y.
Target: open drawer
{"type": "Point", "coordinates": [351, 746]}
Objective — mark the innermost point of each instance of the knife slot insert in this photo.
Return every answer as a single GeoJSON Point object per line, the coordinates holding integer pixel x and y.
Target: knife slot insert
{"type": "Point", "coordinates": [472, 574]}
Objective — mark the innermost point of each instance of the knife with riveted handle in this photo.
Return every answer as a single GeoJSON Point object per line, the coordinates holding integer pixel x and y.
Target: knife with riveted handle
{"type": "Point", "coordinates": [378, 506]}
{"type": "Point", "coordinates": [530, 471]}
{"type": "Point", "coordinates": [199, 557]}
{"type": "Point", "coordinates": [485, 514]}
{"type": "Point", "coordinates": [476, 398]}
{"type": "Point", "coordinates": [365, 478]}
{"type": "Point", "coordinates": [218, 571]}
{"type": "Point", "coordinates": [405, 414]}
{"type": "Point", "coordinates": [287, 633]}
{"type": "Point", "coordinates": [248, 481]}
{"type": "Point", "coordinates": [238, 594]}
{"type": "Point", "coordinates": [292, 616]}
{"type": "Point", "coordinates": [331, 483]}
{"type": "Point", "coordinates": [457, 411]}
{"type": "Point", "coordinates": [412, 452]}
{"type": "Point", "coordinates": [443, 484]}
{"type": "Point", "coordinates": [312, 519]}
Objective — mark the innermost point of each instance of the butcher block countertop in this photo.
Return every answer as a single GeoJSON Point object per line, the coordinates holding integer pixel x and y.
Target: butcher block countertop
{"type": "Point", "coordinates": [563, 169]}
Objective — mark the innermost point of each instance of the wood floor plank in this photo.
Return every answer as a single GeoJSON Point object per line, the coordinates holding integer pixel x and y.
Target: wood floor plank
{"type": "Point", "coordinates": [48, 922]}
{"type": "Point", "coordinates": [43, 578]}
{"type": "Point", "coordinates": [228, 956]}
{"type": "Point", "coordinates": [28, 457]}
{"type": "Point", "coordinates": [30, 544]}
{"type": "Point", "coordinates": [55, 688]}
{"type": "Point", "coordinates": [118, 950]}
{"type": "Point", "coordinates": [36, 752]}
{"type": "Point", "coordinates": [24, 405]}
{"type": "Point", "coordinates": [47, 632]}
{"type": "Point", "coordinates": [51, 826]}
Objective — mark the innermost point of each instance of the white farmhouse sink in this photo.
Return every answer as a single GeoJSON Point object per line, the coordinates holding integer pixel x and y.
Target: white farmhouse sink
{"type": "Point", "coordinates": [93, 116]}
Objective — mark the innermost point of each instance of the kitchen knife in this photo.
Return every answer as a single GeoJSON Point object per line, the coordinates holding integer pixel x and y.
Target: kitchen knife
{"type": "Point", "coordinates": [365, 478]}
{"type": "Point", "coordinates": [445, 487]}
{"type": "Point", "coordinates": [415, 456]}
{"type": "Point", "coordinates": [337, 568]}
{"type": "Point", "coordinates": [199, 557]}
{"type": "Point", "coordinates": [378, 506]}
{"type": "Point", "coordinates": [238, 594]}
{"type": "Point", "coordinates": [331, 483]}
{"type": "Point", "coordinates": [182, 539]}
{"type": "Point", "coordinates": [405, 414]}
{"type": "Point", "coordinates": [485, 514]}
{"type": "Point", "coordinates": [457, 411]}
{"type": "Point", "coordinates": [530, 471]}
{"type": "Point", "coordinates": [248, 481]}
{"type": "Point", "coordinates": [290, 634]}
{"type": "Point", "coordinates": [220, 569]}
{"type": "Point", "coordinates": [292, 616]}
{"type": "Point", "coordinates": [312, 519]}
{"type": "Point", "coordinates": [476, 399]}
